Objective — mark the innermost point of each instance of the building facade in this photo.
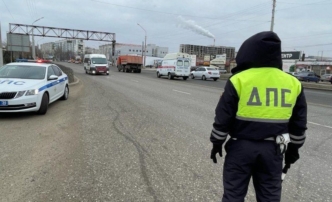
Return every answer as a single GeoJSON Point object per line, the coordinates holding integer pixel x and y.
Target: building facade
{"type": "Point", "coordinates": [73, 45]}
{"type": "Point", "coordinates": [90, 50]}
{"type": "Point", "coordinates": [47, 47]}
{"type": "Point", "coordinates": [76, 46]}
{"type": "Point", "coordinates": [201, 51]}
{"type": "Point", "coordinates": [133, 49]}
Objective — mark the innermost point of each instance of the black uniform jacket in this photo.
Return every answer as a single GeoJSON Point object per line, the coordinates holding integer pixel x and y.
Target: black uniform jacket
{"type": "Point", "coordinates": [260, 50]}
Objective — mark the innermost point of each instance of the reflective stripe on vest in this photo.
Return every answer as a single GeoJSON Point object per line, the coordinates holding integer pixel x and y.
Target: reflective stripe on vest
{"type": "Point", "coordinates": [266, 94]}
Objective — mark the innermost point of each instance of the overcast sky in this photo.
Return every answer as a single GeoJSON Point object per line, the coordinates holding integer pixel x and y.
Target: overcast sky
{"type": "Point", "coordinates": [304, 25]}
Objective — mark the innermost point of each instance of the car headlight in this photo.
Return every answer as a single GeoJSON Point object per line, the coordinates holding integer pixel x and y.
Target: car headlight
{"type": "Point", "coordinates": [32, 92]}
{"type": "Point", "coordinates": [19, 94]}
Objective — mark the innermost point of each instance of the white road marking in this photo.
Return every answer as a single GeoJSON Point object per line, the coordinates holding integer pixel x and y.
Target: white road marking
{"type": "Point", "coordinates": [135, 81]}
{"type": "Point", "coordinates": [181, 92]}
{"type": "Point", "coordinates": [320, 105]}
{"type": "Point", "coordinates": [319, 124]}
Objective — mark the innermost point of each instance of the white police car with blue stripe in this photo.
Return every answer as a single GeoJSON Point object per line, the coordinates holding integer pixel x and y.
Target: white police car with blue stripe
{"type": "Point", "coordinates": [31, 87]}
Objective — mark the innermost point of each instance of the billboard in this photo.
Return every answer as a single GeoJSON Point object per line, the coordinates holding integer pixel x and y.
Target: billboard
{"type": "Point", "coordinates": [207, 58]}
{"type": "Point", "coordinates": [223, 56]}
{"type": "Point", "coordinates": [291, 55]}
{"type": "Point", "coordinates": [18, 42]}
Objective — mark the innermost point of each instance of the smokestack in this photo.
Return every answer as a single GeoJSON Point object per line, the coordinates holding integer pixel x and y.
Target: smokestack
{"type": "Point", "coordinates": [214, 42]}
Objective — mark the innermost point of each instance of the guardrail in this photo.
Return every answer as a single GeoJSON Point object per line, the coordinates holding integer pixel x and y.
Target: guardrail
{"type": "Point", "coordinates": [309, 85]}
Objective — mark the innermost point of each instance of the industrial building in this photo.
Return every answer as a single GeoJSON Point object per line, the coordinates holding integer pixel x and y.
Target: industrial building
{"type": "Point", "coordinates": [152, 50]}
{"type": "Point", "coordinates": [201, 51]}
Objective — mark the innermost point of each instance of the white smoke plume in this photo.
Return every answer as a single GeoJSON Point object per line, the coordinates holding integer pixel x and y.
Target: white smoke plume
{"type": "Point", "coordinates": [191, 25]}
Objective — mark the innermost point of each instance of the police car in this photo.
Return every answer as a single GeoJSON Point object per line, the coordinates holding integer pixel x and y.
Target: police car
{"type": "Point", "coordinates": [31, 86]}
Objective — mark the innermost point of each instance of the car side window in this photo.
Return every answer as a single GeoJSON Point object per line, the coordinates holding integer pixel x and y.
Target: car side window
{"type": "Point", "coordinates": [50, 72]}
{"type": "Point", "coordinates": [56, 70]}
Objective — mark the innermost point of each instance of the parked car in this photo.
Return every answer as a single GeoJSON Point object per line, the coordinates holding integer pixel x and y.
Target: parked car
{"type": "Point", "coordinates": [205, 73]}
{"type": "Point", "coordinates": [307, 76]}
{"type": "Point", "coordinates": [193, 68]}
{"type": "Point", "coordinates": [326, 77]}
{"type": "Point", "coordinates": [31, 86]}
{"type": "Point", "coordinates": [222, 71]}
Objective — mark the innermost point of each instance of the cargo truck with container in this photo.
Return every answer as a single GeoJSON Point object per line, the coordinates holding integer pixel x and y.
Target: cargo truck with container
{"type": "Point", "coordinates": [175, 65]}
{"type": "Point", "coordinates": [129, 63]}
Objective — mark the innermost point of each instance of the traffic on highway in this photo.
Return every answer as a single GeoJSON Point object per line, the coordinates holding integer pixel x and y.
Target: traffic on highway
{"type": "Point", "coordinates": [165, 101]}
{"type": "Point", "coordinates": [140, 137]}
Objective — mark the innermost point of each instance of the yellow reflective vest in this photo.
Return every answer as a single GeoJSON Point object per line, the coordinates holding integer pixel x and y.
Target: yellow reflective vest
{"type": "Point", "coordinates": [262, 97]}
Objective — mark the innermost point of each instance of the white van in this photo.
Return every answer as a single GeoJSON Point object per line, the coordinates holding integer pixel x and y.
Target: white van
{"type": "Point", "coordinates": [95, 64]}
{"type": "Point", "coordinates": [175, 65]}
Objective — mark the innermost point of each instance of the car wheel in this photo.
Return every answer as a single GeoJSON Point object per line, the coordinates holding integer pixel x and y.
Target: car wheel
{"type": "Point", "coordinates": [203, 77]}
{"type": "Point", "coordinates": [185, 78]}
{"type": "Point", "coordinates": [43, 105]}
{"type": "Point", "coordinates": [192, 76]}
{"type": "Point", "coordinates": [158, 75]}
{"type": "Point", "coordinates": [139, 71]}
{"type": "Point", "coordinates": [215, 79]}
{"type": "Point", "coordinates": [170, 76]}
{"type": "Point", "coordinates": [65, 93]}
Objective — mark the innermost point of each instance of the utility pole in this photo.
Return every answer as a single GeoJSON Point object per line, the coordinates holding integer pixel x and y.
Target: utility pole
{"type": "Point", "coordinates": [144, 45]}
{"type": "Point", "coordinates": [273, 10]}
{"type": "Point", "coordinates": [142, 48]}
{"type": "Point", "coordinates": [33, 41]}
{"type": "Point", "coordinates": [1, 51]}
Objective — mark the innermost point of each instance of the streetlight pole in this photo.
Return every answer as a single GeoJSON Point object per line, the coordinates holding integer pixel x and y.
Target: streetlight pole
{"type": "Point", "coordinates": [33, 40]}
{"type": "Point", "coordinates": [144, 45]}
{"type": "Point", "coordinates": [1, 53]}
{"type": "Point", "coordinates": [273, 10]}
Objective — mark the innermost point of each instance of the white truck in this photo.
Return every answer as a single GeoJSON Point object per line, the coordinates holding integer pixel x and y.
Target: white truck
{"type": "Point", "coordinates": [175, 65]}
{"type": "Point", "coordinates": [95, 64]}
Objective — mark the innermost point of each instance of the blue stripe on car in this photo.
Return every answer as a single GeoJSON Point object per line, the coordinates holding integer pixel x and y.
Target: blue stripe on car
{"type": "Point", "coordinates": [54, 83]}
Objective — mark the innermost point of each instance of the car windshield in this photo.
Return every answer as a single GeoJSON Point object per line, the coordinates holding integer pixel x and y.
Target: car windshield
{"type": "Point", "coordinates": [22, 72]}
{"type": "Point", "coordinates": [98, 60]}
{"type": "Point", "coordinates": [210, 69]}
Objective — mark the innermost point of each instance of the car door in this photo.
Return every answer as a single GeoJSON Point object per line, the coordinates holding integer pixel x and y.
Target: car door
{"type": "Point", "coordinates": [311, 77]}
{"type": "Point", "coordinates": [203, 72]}
{"type": "Point", "coordinates": [51, 84]}
{"type": "Point", "coordinates": [60, 86]}
{"type": "Point", "coordinates": [179, 67]}
{"type": "Point", "coordinates": [197, 72]}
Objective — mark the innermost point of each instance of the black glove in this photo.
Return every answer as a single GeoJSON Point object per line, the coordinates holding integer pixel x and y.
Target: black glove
{"type": "Point", "coordinates": [292, 154]}
{"type": "Point", "coordinates": [217, 148]}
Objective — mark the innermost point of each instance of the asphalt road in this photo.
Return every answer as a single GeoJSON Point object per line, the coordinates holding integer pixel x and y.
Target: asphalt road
{"type": "Point", "coordinates": [132, 137]}
{"type": "Point", "coordinates": [314, 97]}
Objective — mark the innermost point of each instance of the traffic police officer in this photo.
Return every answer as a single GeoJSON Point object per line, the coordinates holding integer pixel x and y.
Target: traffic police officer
{"type": "Point", "coordinates": [260, 104]}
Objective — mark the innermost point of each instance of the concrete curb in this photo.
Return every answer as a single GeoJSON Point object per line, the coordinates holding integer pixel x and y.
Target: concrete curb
{"type": "Point", "coordinates": [75, 82]}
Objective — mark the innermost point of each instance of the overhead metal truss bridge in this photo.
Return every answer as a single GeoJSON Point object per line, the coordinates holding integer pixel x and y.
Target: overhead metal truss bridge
{"type": "Point", "coordinates": [61, 32]}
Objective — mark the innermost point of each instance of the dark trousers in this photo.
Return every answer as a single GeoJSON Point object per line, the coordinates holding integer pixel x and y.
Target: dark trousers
{"type": "Point", "coordinates": [260, 160]}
